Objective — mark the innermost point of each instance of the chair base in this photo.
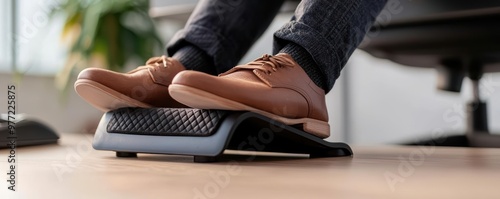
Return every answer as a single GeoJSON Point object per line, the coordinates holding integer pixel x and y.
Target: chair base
{"type": "Point", "coordinates": [475, 140]}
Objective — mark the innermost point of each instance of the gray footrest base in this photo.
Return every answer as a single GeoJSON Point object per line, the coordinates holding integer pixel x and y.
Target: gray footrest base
{"type": "Point", "coordinates": [204, 134]}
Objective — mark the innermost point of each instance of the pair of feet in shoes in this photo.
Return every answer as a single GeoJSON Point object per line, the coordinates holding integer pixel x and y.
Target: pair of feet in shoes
{"type": "Point", "coordinates": [274, 86]}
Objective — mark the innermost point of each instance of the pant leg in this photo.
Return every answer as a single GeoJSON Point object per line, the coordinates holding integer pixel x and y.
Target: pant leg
{"type": "Point", "coordinates": [226, 29]}
{"type": "Point", "coordinates": [330, 30]}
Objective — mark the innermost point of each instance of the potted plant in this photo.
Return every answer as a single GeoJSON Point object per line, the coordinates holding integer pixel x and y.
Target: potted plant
{"type": "Point", "coordinates": [106, 34]}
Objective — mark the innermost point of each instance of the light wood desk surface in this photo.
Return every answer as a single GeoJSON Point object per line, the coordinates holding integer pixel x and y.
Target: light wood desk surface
{"type": "Point", "coordinates": [72, 169]}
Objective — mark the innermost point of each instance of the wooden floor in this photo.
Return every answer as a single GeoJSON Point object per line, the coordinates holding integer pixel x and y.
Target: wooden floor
{"type": "Point", "coordinates": [72, 169]}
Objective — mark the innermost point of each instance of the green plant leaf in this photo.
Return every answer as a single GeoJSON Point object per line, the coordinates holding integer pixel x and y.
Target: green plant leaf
{"type": "Point", "coordinates": [116, 30]}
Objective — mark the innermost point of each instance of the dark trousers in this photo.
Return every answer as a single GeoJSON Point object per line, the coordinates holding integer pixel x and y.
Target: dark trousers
{"type": "Point", "coordinates": [330, 30]}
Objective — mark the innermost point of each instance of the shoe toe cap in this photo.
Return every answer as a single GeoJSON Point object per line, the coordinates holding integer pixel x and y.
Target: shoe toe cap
{"type": "Point", "coordinates": [187, 77]}
{"type": "Point", "coordinates": [93, 74]}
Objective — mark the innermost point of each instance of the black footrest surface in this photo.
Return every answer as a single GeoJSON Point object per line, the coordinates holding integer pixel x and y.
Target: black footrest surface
{"type": "Point", "coordinates": [165, 121]}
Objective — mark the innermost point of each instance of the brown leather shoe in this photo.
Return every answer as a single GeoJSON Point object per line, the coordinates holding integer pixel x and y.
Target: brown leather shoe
{"type": "Point", "coordinates": [274, 86]}
{"type": "Point", "coordinates": [145, 86]}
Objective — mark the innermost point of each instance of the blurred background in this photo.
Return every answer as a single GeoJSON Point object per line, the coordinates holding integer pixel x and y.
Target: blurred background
{"type": "Point", "coordinates": [375, 101]}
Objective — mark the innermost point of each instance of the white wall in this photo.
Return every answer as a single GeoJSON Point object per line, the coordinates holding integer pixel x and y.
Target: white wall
{"type": "Point", "coordinates": [393, 103]}
{"type": "Point", "coordinates": [38, 98]}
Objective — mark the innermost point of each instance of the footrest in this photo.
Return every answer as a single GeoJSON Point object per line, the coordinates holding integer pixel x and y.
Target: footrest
{"type": "Point", "coordinates": [204, 134]}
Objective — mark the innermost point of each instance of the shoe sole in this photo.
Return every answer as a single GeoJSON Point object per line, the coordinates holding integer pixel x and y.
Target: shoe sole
{"type": "Point", "coordinates": [103, 97]}
{"type": "Point", "coordinates": [200, 99]}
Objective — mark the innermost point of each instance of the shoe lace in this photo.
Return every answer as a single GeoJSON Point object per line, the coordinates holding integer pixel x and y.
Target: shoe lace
{"type": "Point", "coordinates": [158, 61]}
{"type": "Point", "coordinates": [270, 64]}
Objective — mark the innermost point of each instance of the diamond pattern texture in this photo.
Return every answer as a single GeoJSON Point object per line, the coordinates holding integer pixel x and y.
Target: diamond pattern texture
{"type": "Point", "coordinates": [165, 121]}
